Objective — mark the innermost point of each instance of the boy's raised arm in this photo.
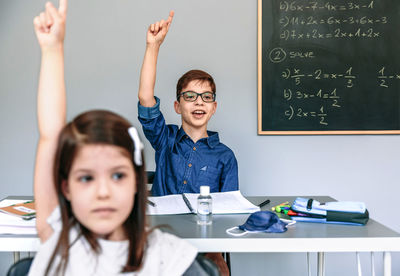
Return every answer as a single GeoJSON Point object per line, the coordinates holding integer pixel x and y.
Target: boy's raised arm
{"type": "Point", "coordinates": [155, 36]}
{"type": "Point", "coordinates": [51, 109]}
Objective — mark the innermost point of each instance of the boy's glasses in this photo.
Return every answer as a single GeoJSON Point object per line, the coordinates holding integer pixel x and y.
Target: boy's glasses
{"type": "Point", "coordinates": [191, 96]}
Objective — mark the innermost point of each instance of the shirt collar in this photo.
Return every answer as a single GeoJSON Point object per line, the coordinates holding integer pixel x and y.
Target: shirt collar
{"type": "Point", "coordinates": [212, 140]}
{"type": "Point", "coordinates": [180, 135]}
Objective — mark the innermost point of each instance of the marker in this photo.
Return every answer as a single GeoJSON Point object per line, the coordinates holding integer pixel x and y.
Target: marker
{"type": "Point", "coordinates": [279, 209]}
{"type": "Point", "coordinates": [292, 213]}
{"type": "Point", "coordinates": [285, 211]}
{"type": "Point", "coordinates": [264, 203]}
{"type": "Point", "coordinates": [282, 204]}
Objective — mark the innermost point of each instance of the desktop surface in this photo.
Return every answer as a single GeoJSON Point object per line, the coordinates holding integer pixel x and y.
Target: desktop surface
{"type": "Point", "coordinates": [301, 237]}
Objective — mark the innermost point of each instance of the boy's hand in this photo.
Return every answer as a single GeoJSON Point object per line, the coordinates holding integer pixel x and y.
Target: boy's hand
{"type": "Point", "coordinates": [50, 26]}
{"type": "Point", "coordinates": [157, 31]}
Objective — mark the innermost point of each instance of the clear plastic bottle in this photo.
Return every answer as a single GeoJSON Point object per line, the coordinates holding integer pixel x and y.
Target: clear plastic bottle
{"type": "Point", "coordinates": [204, 206]}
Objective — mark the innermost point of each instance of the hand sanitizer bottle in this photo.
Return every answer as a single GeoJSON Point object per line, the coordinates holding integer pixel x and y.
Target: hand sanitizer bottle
{"type": "Point", "coordinates": [204, 206]}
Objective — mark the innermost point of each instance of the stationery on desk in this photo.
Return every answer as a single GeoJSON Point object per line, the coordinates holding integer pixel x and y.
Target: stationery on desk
{"type": "Point", "coordinates": [24, 210]}
{"type": "Point", "coordinates": [223, 203]}
{"type": "Point", "coordinates": [13, 224]}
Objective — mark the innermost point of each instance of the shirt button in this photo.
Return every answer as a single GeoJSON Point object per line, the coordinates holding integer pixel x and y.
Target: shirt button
{"type": "Point", "coordinates": [184, 182]}
{"type": "Point", "coordinates": [194, 148]}
{"type": "Point", "coordinates": [190, 165]}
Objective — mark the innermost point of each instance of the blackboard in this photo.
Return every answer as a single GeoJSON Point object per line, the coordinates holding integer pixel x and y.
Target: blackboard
{"type": "Point", "coordinates": [328, 67]}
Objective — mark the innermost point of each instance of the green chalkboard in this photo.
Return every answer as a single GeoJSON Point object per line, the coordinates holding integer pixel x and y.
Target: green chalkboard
{"type": "Point", "coordinates": [328, 67]}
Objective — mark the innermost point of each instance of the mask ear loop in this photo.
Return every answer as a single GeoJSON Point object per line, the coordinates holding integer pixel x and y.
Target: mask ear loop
{"type": "Point", "coordinates": [228, 231]}
{"type": "Point", "coordinates": [288, 221]}
{"type": "Point", "coordinates": [137, 154]}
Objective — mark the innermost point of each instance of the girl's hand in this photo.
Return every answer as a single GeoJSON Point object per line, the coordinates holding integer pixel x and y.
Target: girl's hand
{"type": "Point", "coordinates": [50, 26]}
{"type": "Point", "coordinates": [157, 31]}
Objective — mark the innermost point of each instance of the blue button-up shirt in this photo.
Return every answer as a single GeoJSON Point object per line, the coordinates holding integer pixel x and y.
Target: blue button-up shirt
{"type": "Point", "coordinates": [182, 166]}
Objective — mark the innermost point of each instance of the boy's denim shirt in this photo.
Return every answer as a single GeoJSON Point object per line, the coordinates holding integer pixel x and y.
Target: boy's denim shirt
{"type": "Point", "coordinates": [183, 166]}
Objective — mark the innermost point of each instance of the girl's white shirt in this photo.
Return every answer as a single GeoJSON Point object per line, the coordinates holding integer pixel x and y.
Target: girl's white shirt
{"type": "Point", "coordinates": [165, 254]}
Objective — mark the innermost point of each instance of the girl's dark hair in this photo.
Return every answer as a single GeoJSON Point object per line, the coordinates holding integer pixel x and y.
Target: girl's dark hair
{"type": "Point", "coordinates": [107, 128]}
{"type": "Point", "coordinates": [192, 75]}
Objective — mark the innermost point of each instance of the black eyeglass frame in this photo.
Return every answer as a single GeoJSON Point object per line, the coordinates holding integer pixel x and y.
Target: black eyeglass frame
{"type": "Point", "coordinates": [197, 95]}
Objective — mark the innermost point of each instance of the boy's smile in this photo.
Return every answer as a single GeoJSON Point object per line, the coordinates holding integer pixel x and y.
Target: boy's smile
{"type": "Point", "coordinates": [196, 114]}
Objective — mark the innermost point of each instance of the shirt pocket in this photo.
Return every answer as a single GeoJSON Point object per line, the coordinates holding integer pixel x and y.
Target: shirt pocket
{"type": "Point", "coordinates": [209, 176]}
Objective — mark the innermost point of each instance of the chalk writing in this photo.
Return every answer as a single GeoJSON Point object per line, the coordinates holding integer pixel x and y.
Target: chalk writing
{"type": "Point", "coordinates": [294, 113]}
{"type": "Point", "coordinates": [319, 6]}
{"type": "Point", "coordinates": [368, 33]}
{"type": "Point", "coordinates": [312, 21]}
{"type": "Point", "coordinates": [330, 65]}
{"type": "Point", "coordinates": [384, 79]}
{"type": "Point", "coordinates": [318, 74]}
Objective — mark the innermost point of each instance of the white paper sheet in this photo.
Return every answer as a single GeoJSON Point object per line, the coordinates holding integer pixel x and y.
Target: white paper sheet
{"type": "Point", "coordinates": [15, 230]}
{"type": "Point", "coordinates": [223, 203]}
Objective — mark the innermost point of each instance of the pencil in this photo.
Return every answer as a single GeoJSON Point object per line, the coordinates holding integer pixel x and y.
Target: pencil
{"type": "Point", "coordinates": [151, 203]}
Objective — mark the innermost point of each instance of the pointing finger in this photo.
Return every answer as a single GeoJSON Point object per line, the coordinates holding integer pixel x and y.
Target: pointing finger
{"type": "Point", "coordinates": [170, 17]}
{"type": "Point", "coordinates": [169, 20]}
{"type": "Point", "coordinates": [52, 11]}
{"type": "Point", "coordinates": [62, 7]}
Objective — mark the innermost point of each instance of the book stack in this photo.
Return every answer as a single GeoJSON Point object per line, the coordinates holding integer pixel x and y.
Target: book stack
{"type": "Point", "coordinates": [17, 217]}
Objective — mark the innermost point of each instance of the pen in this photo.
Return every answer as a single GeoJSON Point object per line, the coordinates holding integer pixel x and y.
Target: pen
{"type": "Point", "coordinates": [29, 217]}
{"type": "Point", "coordinates": [151, 203]}
{"type": "Point", "coordinates": [187, 202]}
{"type": "Point", "coordinates": [282, 204]}
{"type": "Point", "coordinates": [265, 202]}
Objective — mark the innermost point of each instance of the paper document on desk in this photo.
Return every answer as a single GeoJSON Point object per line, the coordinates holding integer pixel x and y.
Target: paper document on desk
{"type": "Point", "coordinates": [223, 203]}
{"type": "Point", "coordinates": [15, 225]}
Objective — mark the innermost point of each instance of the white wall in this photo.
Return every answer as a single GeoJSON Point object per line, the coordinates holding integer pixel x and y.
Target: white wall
{"type": "Point", "coordinates": [104, 48]}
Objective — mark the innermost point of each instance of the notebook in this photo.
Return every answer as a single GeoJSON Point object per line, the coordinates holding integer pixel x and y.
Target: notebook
{"type": "Point", "coordinates": [24, 210]}
{"type": "Point", "coordinates": [223, 203]}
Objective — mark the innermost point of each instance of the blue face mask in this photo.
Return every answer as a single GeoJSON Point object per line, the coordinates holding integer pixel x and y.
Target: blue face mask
{"type": "Point", "coordinates": [261, 221]}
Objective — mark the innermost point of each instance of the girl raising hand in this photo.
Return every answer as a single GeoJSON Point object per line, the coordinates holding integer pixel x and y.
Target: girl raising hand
{"type": "Point", "coordinates": [89, 184]}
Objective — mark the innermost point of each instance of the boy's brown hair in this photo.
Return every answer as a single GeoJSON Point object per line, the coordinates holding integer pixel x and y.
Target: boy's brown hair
{"type": "Point", "coordinates": [192, 75]}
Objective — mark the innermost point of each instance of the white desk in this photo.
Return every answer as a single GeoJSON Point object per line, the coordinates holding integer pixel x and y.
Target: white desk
{"type": "Point", "coordinates": [303, 237]}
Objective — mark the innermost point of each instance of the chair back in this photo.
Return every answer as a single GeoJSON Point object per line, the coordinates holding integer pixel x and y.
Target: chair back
{"type": "Point", "coordinates": [202, 266]}
{"type": "Point", "coordinates": [150, 179]}
{"type": "Point", "coordinates": [20, 268]}
{"type": "Point", "coordinates": [150, 176]}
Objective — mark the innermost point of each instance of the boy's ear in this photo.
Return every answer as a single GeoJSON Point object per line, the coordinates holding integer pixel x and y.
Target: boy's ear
{"type": "Point", "coordinates": [177, 107]}
{"type": "Point", "coordinates": [65, 189]}
{"type": "Point", "coordinates": [214, 107]}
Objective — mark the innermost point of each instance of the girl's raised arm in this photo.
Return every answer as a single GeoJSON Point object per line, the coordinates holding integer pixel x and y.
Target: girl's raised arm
{"type": "Point", "coordinates": [51, 109]}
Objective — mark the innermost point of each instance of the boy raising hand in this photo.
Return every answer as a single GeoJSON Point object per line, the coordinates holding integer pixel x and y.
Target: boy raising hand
{"type": "Point", "coordinates": [189, 156]}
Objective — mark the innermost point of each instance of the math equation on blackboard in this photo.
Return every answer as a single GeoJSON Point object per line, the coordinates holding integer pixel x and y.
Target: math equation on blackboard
{"type": "Point", "coordinates": [330, 65]}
